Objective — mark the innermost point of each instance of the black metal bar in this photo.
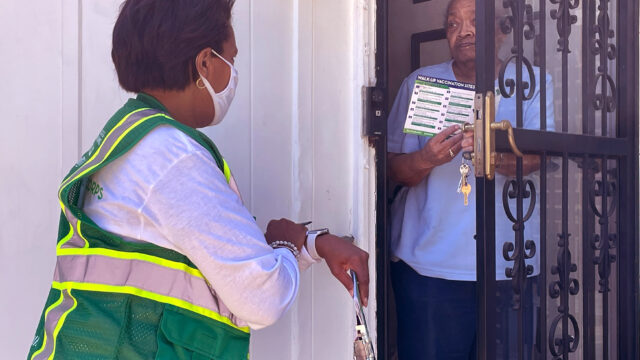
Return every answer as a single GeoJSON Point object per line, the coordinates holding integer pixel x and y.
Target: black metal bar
{"type": "Point", "coordinates": [520, 275]}
{"type": "Point", "coordinates": [564, 19]}
{"type": "Point", "coordinates": [628, 298]}
{"type": "Point", "coordinates": [542, 350]}
{"type": "Point", "coordinates": [604, 259]}
{"type": "Point", "coordinates": [486, 270]}
{"type": "Point", "coordinates": [519, 236]}
{"type": "Point", "coordinates": [485, 197]}
{"type": "Point", "coordinates": [542, 50]}
{"type": "Point", "coordinates": [518, 35]}
{"type": "Point", "coordinates": [531, 141]}
{"type": "Point", "coordinates": [542, 282]}
{"type": "Point", "coordinates": [564, 298]}
{"type": "Point", "coordinates": [605, 54]}
{"type": "Point", "coordinates": [521, 17]}
{"type": "Point", "coordinates": [380, 143]}
{"type": "Point", "coordinates": [586, 57]}
{"type": "Point", "coordinates": [588, 68]}
{"type": "Point", "coordinates": [485, 53]}
{"type": "Point", "coordinates": [382, 251]}
{"type": "Point", "coordinates": [588, 178]}
{"type": "Point", "coordinates": [588, 271]}
{"type": "Point", "coordinates": [565, 286]}
{"type": "Point", "coordinates": [627, 70]}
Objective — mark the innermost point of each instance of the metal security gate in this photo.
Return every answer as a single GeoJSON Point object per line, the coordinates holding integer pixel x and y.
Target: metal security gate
{"type": "Point", "coordinates": [557, 232]}
{"type": "Point", "coordinates": [560, 223]}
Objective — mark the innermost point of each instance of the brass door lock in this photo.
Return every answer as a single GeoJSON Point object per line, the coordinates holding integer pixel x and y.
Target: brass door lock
{"type": "Point", "coordinates": [484, 128]}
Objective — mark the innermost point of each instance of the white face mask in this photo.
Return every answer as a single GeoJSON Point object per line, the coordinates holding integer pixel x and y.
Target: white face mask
{"type": "Point", "coordinates": [222, 100]}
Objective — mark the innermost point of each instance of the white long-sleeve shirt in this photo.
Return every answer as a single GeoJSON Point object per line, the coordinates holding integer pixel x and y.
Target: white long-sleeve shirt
{"type": "Point", "coordinates": [168, 191]}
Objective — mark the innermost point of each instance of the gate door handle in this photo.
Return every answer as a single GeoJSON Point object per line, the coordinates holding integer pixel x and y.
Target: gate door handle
{"type": "Point", "coordinates": [505, 125]}
{"type": "Point", "coordinates": [484, 128]}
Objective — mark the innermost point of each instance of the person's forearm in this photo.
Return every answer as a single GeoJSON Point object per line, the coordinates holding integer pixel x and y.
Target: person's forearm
{"type": "Point", "coordinates": [207, 223]}
{"type": "Point", "coordinates": [408, 169]}
{"type": "Point", "coordinates": [507, 164]}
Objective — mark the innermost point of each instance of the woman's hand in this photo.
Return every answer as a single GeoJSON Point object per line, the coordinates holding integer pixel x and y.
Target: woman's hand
{"type": "Point", "coordinates": [286, 230]}
{"type": "Point", "coordinates": [341, 255]}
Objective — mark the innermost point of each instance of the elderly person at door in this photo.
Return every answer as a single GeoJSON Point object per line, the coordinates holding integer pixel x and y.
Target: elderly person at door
{"type": "Point", "coordinates": [433, 249]}
{"type": "Point", "coordinates": [158, 258]}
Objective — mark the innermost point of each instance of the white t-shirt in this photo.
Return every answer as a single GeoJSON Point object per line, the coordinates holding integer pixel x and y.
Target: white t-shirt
{"type": "Point", "coordinates": [168, 190]}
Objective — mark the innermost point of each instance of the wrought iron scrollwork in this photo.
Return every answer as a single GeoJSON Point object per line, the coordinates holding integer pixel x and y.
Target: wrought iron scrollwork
{"type": "Point", "coordinates": [519, 250]}
{"type": "Point", "coordinates": [521, 24]}
{"type": "Point", "coordinates": [519, 11]}
{"type": "Point", "coordinates": [604, 257]}
{"type": "Point", "coordinates": [606, 51]}
{"type": "Point", "coordinates": [557, 344]}
{"type": "Point", "coordinates": [564, 21]}
{"type": "Point", "coordinates": [508, 85]}
{"type": "Point", "coordinates": [562, 288]}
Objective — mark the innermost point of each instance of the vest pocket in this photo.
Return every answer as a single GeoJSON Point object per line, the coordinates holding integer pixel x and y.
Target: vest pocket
{"type": "Point", "coordinates": [186, 335]}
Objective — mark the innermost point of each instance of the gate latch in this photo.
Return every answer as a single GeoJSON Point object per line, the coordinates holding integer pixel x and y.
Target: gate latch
{"type": "Point", "coordinates": [484, 128]}
{"type": "Point", "coordinates": [374, 114]}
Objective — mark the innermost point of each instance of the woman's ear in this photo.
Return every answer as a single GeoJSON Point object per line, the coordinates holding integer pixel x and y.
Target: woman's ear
{"type": "Point", "coordinates": [203, 62]}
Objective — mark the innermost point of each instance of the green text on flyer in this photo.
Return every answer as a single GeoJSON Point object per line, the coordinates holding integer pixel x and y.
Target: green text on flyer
{"type": "Point", "coordinates": [437, 104]}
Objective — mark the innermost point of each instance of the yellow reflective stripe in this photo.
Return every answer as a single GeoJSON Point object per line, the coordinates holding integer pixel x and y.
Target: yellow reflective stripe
{"type": "Point", "coordinates": [61, 204]}
{"type": "Point", "coordinates": [61, 322]}
{"type": "Point", "coordinates": [149, 295]}
{"type": "Point", "coordinates": [66, 238]}
{"type": "Point", "coordinates": [227, 171]}
{"type": "Point", "coordinates": [132, 256]}
{"type": "Point", "coordinates": [86, 243]}
{"type": "Point", "coordinates": [70, 179]}
{"type": "Point", "coordinates": [44, 330]}
{"type": "Point", "coordinates": [115, 144]}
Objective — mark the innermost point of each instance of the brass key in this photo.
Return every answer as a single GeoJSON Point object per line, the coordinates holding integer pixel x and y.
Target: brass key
{"type": "Point", "coordinates": [466, 190]}
{"type": "Point", "coordinates": [464, 186]}
{"type": "Point", "coordinates": [464, 173]}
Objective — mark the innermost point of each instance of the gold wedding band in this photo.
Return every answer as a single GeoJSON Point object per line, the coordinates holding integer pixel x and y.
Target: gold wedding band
{"type": "Point", "coordinates": [451, 153]}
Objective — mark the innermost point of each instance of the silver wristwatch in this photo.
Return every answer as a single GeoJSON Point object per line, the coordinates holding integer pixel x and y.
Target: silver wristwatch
{"type": "Point", "coordinates": [311, 242]}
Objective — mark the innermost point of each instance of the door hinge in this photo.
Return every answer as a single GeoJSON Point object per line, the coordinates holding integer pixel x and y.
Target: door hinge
{"type": "Point", "coordinates": [374, 113]}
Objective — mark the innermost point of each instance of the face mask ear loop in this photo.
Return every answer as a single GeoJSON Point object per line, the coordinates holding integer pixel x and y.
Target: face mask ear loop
{"type": "Point", "coordinates": [221, 58]}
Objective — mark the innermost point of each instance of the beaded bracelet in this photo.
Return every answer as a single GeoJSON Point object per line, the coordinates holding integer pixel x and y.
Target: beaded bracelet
{"type": "Point", "coordinates": [286, 245]}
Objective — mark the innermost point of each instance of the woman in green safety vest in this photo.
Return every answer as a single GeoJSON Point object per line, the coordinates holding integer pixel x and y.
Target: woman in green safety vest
{"type": "Point", "coordinates": [157, 257]}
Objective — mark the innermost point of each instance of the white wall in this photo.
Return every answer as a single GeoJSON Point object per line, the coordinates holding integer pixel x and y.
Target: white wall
{"type": "Point", "coordinates": [30, 72]}
{"type": "Point", "coordinates": [292, 139]}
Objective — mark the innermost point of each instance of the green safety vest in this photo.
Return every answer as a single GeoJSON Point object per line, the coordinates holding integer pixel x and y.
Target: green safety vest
{"type": "Point", "coordinates": [114, 299]}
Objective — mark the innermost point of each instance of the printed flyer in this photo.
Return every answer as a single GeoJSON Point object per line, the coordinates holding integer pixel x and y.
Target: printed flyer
{"type": "Point", "coordinates": [437, 104]}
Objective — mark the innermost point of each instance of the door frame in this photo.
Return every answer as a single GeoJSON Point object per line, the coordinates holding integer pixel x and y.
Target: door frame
{"type": "Point", "coordinates": [379, 142]}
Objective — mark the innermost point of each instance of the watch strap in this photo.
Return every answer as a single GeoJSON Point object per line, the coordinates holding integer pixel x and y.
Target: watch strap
{"type": "Point", "coordinates": [311, 243]}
